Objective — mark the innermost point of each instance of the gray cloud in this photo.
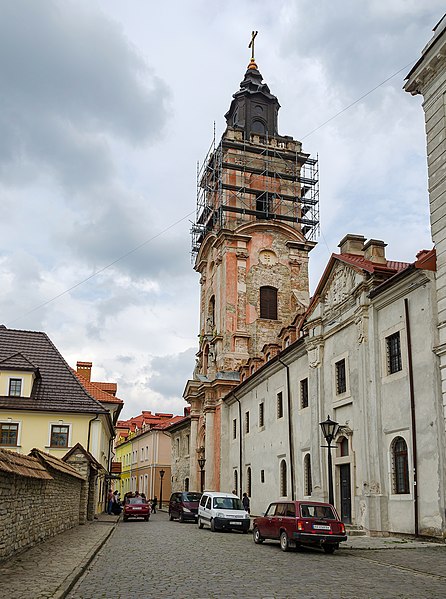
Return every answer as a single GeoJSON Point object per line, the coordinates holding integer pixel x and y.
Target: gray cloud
{"type": "Point", "coordinates": [359, 44]}
{"type": "Point", "coordinates": [170, 373]}
{"type": "Point", "coordinates": [70, 79]}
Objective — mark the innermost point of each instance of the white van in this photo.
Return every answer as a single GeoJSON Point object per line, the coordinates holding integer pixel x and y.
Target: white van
{"type": "Point", "coordinates": [222, 511]}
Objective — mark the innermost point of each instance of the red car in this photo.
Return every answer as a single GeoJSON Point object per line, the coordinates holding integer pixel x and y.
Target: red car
{"type": "Point", "coordinates": [296, 523]}
{"type": "Point", "coordinates": [136, 507]}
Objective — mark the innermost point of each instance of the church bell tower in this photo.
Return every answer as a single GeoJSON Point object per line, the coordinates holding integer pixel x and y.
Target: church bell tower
{"type": "Point", "coordinates": [256, 222]}
{"type": "Point", "coordinates": [257, 217]}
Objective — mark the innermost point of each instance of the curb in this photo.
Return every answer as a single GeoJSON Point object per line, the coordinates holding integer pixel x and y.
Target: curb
{"type": "Point", "coordinates": [69, 582]}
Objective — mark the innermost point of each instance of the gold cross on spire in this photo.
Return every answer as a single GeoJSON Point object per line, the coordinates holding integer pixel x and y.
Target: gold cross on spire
{"type": "Point", "coordinates": [252, 64]}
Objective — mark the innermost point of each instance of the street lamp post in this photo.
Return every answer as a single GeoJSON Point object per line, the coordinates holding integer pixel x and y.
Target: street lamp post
{"type": "Point", "coordinates": [330, 429]}
{"type": "Point", "coordinates": [162, 472]}
{"type": "Point", "coordinates": [201, 463]}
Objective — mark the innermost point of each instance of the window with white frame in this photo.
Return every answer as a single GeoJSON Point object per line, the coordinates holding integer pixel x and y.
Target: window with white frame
{"type": "Point", "coordinates": [15, 387]}
{"type": "Point", "coordinates": [59, 435]}
{"type": "Point", "coordinates": [9, 434]}
{"type": "Point", "coordinates": [261, 414]}
{"type": "Point", "coordinates": [234, 428]}
{"type": "Point", "coordinates": [246, 422]}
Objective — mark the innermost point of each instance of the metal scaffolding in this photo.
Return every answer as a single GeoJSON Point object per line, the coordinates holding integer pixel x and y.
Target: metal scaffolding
{"type": "Point", "coordinates": [265, 178]}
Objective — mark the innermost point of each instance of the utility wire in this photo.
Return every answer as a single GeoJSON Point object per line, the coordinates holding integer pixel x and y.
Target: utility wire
{"type": "Point", "coordinates": [97, 272]}
{"type": "Point", "coordinates": [135, 249]}
{"type": "Point", "coordinates": [356, 101]}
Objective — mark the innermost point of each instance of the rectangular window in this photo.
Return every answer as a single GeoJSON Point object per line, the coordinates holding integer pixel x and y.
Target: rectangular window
{"type": "Point", "coordinates": [59, 436]}
{"type": "Point", "coordinates": [9, 434]}
{"type": "Point", "coordinates": [304, 393]}
{"type": "Point", "coordinates": [341, 381]}
{"type": "Point", "coordinates": [261, 414]}
{"type": "Point", "coordinates": [246, 422]}
{"type": "Point", "coordinates": [234, 429]}
{"type": "Point", "coordinates": [15, 387]}
{"type": "Point", "coordinates": [393, 346]}
{"type": "Point", "coordinates": [279, 405]}
{"type": "Point", "coordinates": [262, 476]}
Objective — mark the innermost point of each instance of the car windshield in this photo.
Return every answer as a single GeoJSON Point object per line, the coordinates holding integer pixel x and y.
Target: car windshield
{"type": "Point", "coordinates": [134, 500]}
{"type": "Point", "coordinates": [323, 512]}
{"type": "Point", "coordinates": [227, 503]}
{"type": "Point", "coordinates": [191, 496]}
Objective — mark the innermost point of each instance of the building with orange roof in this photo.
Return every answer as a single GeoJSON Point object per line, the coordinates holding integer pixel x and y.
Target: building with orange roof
{"type": "Point", "coordinates": [143, 448]}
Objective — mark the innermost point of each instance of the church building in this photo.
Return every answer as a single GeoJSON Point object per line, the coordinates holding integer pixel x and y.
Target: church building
{"type": "Point", "coordinates": [337, 398]}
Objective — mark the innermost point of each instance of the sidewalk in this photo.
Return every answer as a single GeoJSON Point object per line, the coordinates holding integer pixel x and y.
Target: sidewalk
{"type": "Point", "coordinates": [50, 569]}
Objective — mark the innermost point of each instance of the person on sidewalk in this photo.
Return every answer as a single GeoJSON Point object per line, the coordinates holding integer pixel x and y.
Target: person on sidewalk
{"type": "Point", "coordinates": [110, 501]}
{"type": "Point", "coordinates": [245, 501]}
{"type": "Point", "coordinates": [154, 504]}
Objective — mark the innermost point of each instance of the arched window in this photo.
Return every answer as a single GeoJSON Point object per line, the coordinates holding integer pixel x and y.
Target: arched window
{"type": "Point", "coordinates": [248, 481]}
{"type": "Point", "coordinates": [258, 127]}
{"type": "Point", "coordinates": [400, 466]}
{"type": "Point", "coordinates": [283, 479]}
{"type": "Point", "coordinates": [268, 302]}
{"type": "Point", "coordinates": [235, 482]}
{"type": "Point", "coordinates": [177, 442]}
{"type": "Point", "coordinates": [186, 484]}
{"type": "Point", "coordinates": [307, 475]}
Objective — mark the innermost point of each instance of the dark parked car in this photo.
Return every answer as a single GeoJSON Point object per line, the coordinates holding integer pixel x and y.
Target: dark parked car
{"type": "Point", "coordinates": [296, 523]}
{"type": "Point", "coordinates": [184, 506]}
{"type": "Point", "coordinates": [136, 507]}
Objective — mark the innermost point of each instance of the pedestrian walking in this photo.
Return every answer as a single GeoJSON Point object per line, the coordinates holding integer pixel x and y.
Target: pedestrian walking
{"type": "Point", "coordinates": [154, 504]}
{"type": "Point", "coordinates": [245, 501]}
{"type": "Point", "coordinates": [110, 501]}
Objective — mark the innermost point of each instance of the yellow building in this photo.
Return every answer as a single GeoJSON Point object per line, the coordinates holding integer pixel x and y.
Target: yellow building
{"type": "Point", "coordinates": [44, 404]}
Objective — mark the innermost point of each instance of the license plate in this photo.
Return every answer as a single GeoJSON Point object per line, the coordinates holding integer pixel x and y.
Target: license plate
{"type": "Point", "coordinates": [235, 523]}
{"type": "Point", "coordinates": [137, 508]}
{"type": "Point", "coordinates": [321, 527]}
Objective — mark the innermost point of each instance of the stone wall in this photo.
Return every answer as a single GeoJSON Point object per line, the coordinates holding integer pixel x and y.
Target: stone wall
{"type": "Point", "coordinates": [33, 509]}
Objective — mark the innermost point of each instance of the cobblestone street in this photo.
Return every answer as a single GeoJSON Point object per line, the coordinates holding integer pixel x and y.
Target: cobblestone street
{"type": "Point", "coordinates": [168, 559]}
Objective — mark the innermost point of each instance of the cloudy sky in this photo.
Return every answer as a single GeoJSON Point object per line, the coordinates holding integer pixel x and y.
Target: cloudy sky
{"type": "Point", "coordinates": [105, 108]}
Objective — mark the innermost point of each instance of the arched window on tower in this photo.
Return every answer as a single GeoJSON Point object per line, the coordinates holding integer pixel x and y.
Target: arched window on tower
{"type": "Point", "coordinates": [400, 466]}
{"type": "Point", "coordinates": [268, 302]}
{"type": "Point", "coordinates": [283, 479]}
{"type": "Point", "coordinates": [258, 127]}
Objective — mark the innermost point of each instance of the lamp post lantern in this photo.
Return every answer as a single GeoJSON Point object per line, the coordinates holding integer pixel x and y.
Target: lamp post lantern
{"type": "Point", "coordinates": [201, 463]}
{"type": "Point", "coordinates": [330, 429]}
{"type": "Point", "coordinates": [162, 472]}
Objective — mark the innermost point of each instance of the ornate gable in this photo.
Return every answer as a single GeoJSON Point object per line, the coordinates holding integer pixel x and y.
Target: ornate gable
{"type": "Point", "coordinates": [340, 285]}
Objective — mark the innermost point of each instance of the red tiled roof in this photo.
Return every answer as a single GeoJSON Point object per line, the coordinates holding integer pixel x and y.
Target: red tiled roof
{"type": "Point", "coordinates": [57, 389]}
{"type": "Point", "coordinates": [95, 391]}
{"type": "Point", "coordinates": [108, 387]}
{"type": "Point", "coordinates": [368, 265]}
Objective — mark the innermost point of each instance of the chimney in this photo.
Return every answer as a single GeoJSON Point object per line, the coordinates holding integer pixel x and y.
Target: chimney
{"type": "Point", "coordinates": [84, 369]}
{"type": "Point", "coordinates": [352, 244]}
{"type": "Point", "coordinates": [374, 250]}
